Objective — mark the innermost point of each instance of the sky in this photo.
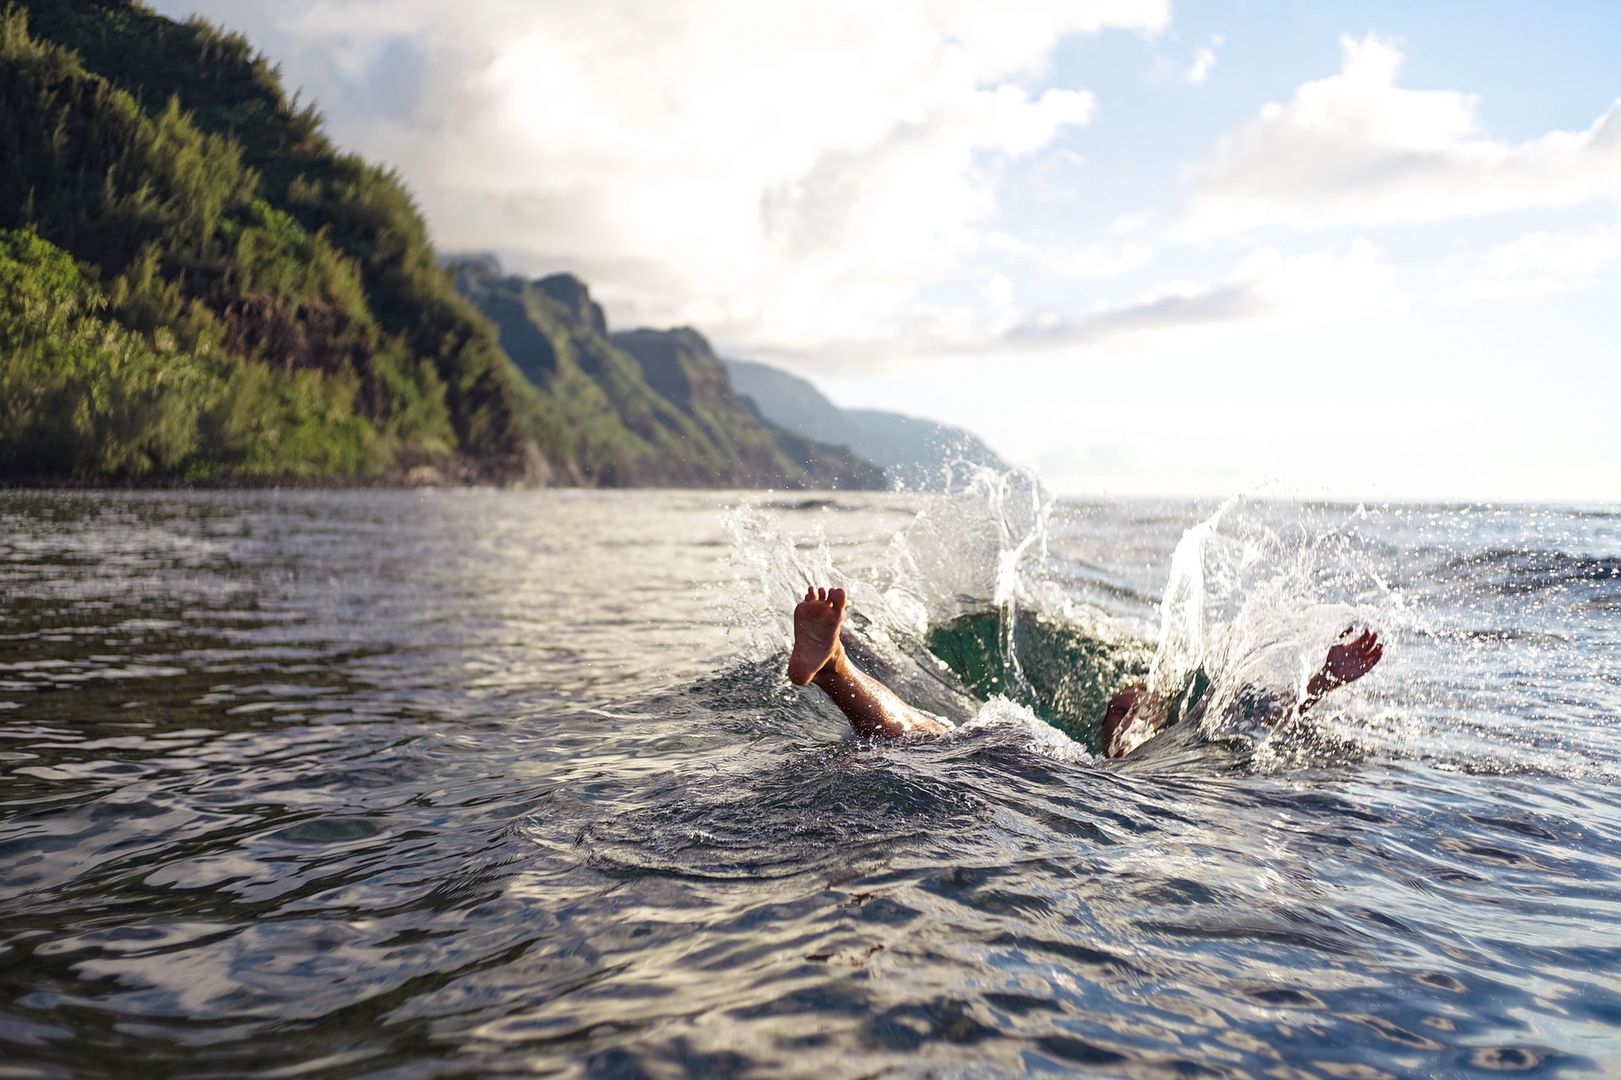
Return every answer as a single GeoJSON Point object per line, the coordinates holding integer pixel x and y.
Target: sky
{"type": "Point", "coordinates": [1307, 249]}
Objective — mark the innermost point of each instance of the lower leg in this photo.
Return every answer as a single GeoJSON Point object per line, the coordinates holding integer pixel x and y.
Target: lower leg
{"type": "Point", "coordinates": [873, 709]}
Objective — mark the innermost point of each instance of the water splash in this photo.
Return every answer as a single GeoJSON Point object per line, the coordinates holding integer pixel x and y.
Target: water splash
{"type": "Point", "coordinates": [995, 590]}
{"type": "Point", "coordinates": [1204, 567]}
{"type": "Point", "coordinates": [1016, 725]}
{"type": "Point", "coordinates": [1255, 595]}
{"type": "Point", "coordinates": [983, 544]}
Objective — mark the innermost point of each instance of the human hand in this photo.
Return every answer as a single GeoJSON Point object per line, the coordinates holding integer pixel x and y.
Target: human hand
{"type": "Point", "coordinates": [1352, 658]}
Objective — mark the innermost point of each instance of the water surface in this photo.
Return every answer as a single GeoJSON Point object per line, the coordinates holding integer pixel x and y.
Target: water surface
{"type": "Point", "coordinates": [418, 784]}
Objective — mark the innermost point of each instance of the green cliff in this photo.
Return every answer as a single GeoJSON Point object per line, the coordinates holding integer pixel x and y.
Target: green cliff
{"type": "Point", "coordinates": [645, 407]}
{"type": "Point", "coordinates": [211, 219]}
{"type": "Point", "coordinates": [198, 286]}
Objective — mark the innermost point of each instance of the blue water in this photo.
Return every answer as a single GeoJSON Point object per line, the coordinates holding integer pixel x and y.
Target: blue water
{"type": "Point", "coordinates": [406, 784]}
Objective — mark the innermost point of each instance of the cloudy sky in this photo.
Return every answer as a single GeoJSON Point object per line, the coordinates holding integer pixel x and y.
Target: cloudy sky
{"type": "Point", "coordinates": [1364, 250]}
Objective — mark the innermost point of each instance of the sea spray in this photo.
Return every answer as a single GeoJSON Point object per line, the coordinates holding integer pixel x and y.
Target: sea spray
{"type": "Point", "coordinates": [1014, 724]}
{"type": "Point", "coordinates": [967, 598]}
{"type": "Point", "coordinates": [1256, 594]}
{"type": "Point", "coordinates": [964, 563]}
{"type": "Point", "coordinates": [1201, 571]}
{"type": "Point", "coordinates": [984, 545]}
{"type": "Point", "coordinates": [772, 570]}
{"type": "Point", "coordinates": [977, 548]}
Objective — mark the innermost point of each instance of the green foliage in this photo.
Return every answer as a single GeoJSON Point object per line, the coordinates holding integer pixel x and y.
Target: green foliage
{"type": "Point", "coordinates": [289, 424]}
{"type": "Point", "coordinates": [83, 396]}
{"type": "Point", "coordinates": [78, 394]}
{"type": "Point", "coordinates": [166, 158]}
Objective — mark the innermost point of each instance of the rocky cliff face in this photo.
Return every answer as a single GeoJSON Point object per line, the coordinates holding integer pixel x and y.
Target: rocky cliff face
{"type": "Point", "coordinates": [646, 407]}
{"type": "Point", "coordinates": [571, 293]}
{"type": "Point", "coordinates": [681, 365]}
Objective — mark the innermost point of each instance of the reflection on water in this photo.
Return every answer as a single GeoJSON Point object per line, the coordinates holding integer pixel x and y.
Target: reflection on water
{"type": "Point", "coordinates": [402, 784]}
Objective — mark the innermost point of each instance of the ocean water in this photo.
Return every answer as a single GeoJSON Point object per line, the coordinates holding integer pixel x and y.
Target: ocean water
{"type": "Point", "coordinates": [400, 784]}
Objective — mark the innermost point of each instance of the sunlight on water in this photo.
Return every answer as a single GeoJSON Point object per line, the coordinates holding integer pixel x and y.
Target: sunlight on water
{"type": "Point", "coordinates": [387, 783]}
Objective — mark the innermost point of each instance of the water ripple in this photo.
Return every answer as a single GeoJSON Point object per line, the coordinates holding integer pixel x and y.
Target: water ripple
{"type": "Point", "coordinates": [404, 784]}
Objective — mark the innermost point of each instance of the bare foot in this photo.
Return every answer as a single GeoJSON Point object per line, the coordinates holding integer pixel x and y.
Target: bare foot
{"type": "Point", "coordinates": [816, 633]}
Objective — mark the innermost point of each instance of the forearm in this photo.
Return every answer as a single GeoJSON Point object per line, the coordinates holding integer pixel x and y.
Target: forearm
{"type": "Point", "coordinates": [873, 709]}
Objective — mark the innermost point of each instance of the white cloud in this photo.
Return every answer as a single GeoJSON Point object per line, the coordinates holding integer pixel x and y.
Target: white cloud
{"type": "Point", "coordinates": [793, 171]}
{"type": "Point", "coordinates": [1355, 148]}
{"type": "Point", "coordinates": [1204, 61]}
{"type": "Point", "coordinates": [1535, 264]}
{"type": "Point", "coordinates": [1126, 224]}
{"type": "Point", "coordinates": [1266, 290]}
{"type": "Point", "coordinates": [1174, 309]}
{"type": "Point", "coordinates": [1072, 262]}
{"type": "Point", "coordinates": [1333, 285]}
{"type": "Point", "coordinates": [1570, 253]}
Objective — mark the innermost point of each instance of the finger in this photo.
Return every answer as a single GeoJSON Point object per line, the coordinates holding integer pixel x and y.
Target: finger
{"type": "Point", "coordinates": [810, 592]}
{"type": "Point", "coordinates": [821, 593]}
{"type": "Point", "coordinates": [1373, 657]}
{"type": "Point", "coordinates": [1347, 632]}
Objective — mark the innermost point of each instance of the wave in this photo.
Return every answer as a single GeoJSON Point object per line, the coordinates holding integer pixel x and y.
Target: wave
{"type": "Point", "coordinates": [1521, 571]}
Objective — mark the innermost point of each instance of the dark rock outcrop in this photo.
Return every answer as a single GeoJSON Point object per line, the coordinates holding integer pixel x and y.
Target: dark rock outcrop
{"type": "Point", "coordinates": [571, 293]}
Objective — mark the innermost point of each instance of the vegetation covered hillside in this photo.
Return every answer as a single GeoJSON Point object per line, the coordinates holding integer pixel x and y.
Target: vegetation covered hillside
{"type": "Point", "coordinates": [641, 412]}
{"type": "Point", "coordinates": [199, 286]}
{"type": "Point", "coordinates": [288, 292]}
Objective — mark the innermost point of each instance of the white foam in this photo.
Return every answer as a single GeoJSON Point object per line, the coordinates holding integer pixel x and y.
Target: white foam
{"type": "Point", "coordinates": [1012, 722]}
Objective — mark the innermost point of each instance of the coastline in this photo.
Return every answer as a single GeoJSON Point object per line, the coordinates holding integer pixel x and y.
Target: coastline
{"type": "Point", "coordinates": [435, 472]}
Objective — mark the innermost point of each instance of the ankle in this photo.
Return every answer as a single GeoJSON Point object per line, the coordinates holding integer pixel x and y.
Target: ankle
{"type": "Point", "coordinates": [835, 670]}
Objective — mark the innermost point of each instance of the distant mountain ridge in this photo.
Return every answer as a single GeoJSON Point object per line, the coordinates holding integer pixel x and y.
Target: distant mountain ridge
{"type": "Point", "coordinates": [918, 454]}
{"type": "Point", "coordinates": [644, 407]}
